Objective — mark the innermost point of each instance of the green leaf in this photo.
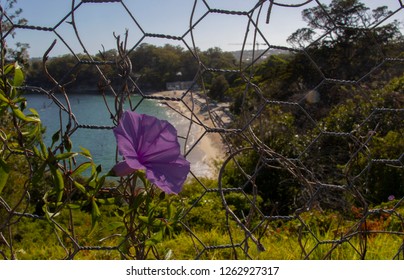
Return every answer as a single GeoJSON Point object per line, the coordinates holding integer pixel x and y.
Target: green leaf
{"type": "Point", "coordinates": [99, 169]}
{"type": "Point", "coordinates": [95, 216]}
{"type": "Point", "coordinates": [34, 112]}
{"type": "Point", "coordinates": [107, 201]}
{"type": "Point", "coordinates": [18, 75]}
{"type": "Point", "coordinates": [170, 211]}
{"type": "Point", "coordinates": [100, 183]}
{"type": "Point", "coordinates": [80, 187]}
{"type": "Point", "coordinates": [19, 114]}
{"type": "Point", "coordinates": [81, 168]}
{"type": "Point", "coordinates": [19, 100]}
{"type": "Point", "coordinates": [74, 206]}
{"type": "Point", "coordinates": [32, 131]}
{"type": "Point", "coordinates": [67, 143]}
{"type": "Point", "coordinates": [144, 219]}
{"type": "Point", "coordinates": [85, 152]}
{"type": "Point", "coordinates": [4, 173]}
{"type": "Point", "coordinates": [156, 238]}
{"type": "Point", "coordinates": [55, 137]}
{"type": "Point", "coordinates": [92, 181]}
{"type": "Point", "coordinates": [31, 118]}
{"type": "Point", "coordinates": [65, 156]}
{"type": "Point", "coordinates": [49, 215]}
{"type": "Point", "coordinates": [58, 181]}
{"type": "Point", "coordinates": [37, 152]}
{"type": "Point", "coordinates": [43, 149]}
{"type": "Point", "coordinates": [8, 68]}
{"type": "Point", "coordinates": [115, 225]}
{"type": "Point", "coordinates": [158, 223]}
{"type": "Point", "coordinates": [4, 98]}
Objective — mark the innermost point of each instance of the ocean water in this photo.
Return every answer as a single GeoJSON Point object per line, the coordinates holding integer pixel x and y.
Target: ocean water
{"type": "Point", "coordinates": [91, 109]}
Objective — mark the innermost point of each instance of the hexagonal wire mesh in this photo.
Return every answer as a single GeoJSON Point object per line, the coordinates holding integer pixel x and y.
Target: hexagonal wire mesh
{"type": "Point", "coordinates": [324, 178]}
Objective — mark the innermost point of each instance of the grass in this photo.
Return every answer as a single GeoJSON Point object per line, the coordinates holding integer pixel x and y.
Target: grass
{"type": "Point", "coordinates": [317, 238]}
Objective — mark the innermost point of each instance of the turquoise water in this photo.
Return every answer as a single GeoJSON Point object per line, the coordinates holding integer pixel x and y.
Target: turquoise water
{"type": "Point", "coordinates": [90, 109]}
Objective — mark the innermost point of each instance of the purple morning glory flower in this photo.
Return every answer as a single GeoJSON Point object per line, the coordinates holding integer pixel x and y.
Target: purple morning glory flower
{"type": "Point", "coordinates": [147, 143]}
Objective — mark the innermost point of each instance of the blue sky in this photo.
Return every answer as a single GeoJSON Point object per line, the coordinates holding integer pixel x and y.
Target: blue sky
{"type": "Point", "coordinates": [96, 23]}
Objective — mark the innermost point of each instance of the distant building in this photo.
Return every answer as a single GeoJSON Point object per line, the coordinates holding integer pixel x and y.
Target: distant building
{"type": "Point", "coordinates": [182, 85]}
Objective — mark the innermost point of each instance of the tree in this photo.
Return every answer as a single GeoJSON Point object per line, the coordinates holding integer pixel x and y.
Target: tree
{"type": "Point", "coordinates": [9, 17]}
{"type": "Point", "coordinates": [380, 137]}
{"type": "Point", "coordinates": [343, 18]}
{"type": "Point", "coordinates": [218, 88]}
{"type": "Point", "coordinates": [352, 43]}
{"type": "Point", "coordinates": [275, 185]}
{"type": "Point", "coordinates": [157, 65]}
{"type": "Point", "coordinates": [218, 59]}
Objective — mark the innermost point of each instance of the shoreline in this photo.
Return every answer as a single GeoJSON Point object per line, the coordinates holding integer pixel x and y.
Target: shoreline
{"type": "Point", "coordinates": [209, 148]}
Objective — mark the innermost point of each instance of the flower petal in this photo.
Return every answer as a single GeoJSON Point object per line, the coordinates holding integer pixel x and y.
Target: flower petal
{"type": "Point", "coordinates": [151, 144]}
{"type": "Point", "coordinates": [169, 177]}
{"type": "Point", "coordinates": [127, 134]}
{"type": "Point", "coordinates": [159, 141]}
{"type": "Point", "coordinates": [127, 167]}
{"type": "Point", "coordinates": [122, 168]}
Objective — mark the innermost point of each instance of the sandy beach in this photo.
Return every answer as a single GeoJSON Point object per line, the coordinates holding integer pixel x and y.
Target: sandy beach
{"type": "Point", "coordinates": [202, 148]}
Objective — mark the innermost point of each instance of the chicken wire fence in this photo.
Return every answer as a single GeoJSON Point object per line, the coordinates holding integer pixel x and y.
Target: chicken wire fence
{"type": "Point", "coordinates": [325, 178]}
